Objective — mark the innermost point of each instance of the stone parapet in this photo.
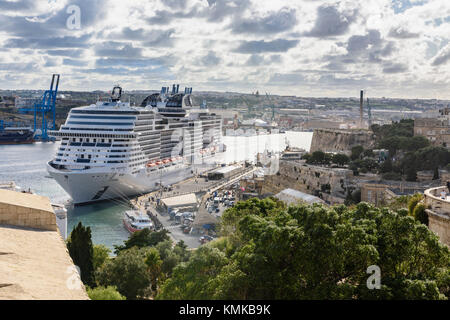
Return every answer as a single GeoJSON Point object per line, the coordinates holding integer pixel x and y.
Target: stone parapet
{"type": "Point", "coordinates": [26, 210]}
{"type": "Point", "coordinates": [438, 211]}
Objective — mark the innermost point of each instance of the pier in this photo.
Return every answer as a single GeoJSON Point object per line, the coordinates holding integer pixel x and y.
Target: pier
{"type": "Point", "coordinates": [203, 189]}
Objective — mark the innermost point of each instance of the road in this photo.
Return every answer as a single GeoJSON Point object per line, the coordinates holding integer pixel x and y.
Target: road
{"type": "Point", "coordinates": [192, 185]}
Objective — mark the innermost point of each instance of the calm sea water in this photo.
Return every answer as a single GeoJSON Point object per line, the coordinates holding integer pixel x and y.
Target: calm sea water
{"type": "Point", "coordinates": [26, 165]}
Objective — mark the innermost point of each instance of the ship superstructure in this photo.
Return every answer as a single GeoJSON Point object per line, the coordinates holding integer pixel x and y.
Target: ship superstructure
{"type": "Point", "coordinates": [115, 150]}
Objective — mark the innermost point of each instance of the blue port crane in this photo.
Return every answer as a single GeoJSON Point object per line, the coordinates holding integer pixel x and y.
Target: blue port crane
{"type": "Point", "coordinates": [43, 108]}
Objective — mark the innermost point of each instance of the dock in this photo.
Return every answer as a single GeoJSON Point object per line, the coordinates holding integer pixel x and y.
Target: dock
{"type": "Point", "coordinates": [180, 197]}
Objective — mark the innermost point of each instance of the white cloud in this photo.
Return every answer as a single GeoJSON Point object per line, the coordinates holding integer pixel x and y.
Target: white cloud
{"type": "Point", "coordinates": [306, 47]}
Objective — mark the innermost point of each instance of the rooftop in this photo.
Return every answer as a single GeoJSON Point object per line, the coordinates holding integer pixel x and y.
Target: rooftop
{"type": "Point", "coordinates": [183, 200]}
{"type": "Point", "coordinates": [226, 169]}
{"type": "Point", "coordinates": [291, 196]}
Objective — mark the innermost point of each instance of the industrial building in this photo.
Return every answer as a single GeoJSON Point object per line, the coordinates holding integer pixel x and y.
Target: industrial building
{"type": "Point", "coordinates": [224, 172]}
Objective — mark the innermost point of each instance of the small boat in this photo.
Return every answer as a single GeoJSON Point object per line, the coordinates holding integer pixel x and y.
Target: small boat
{"type": "Point", "coordinates": [135, 220]}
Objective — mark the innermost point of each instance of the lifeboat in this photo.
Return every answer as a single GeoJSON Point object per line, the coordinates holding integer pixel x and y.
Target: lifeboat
{"type": "Point", "coordinates": [159, 163]}
{"type": "Point", "coordinates": [151, 164]}
{"type": "Point", "coordinates": [166, 161]}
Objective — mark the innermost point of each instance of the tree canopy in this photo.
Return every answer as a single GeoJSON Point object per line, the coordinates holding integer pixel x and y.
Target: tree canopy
{"type": "Point", "coordinates": [79, 245]}
{"type": "Point", "coordinates": [270, 251]}
{"type": "Point", "coordinates": [144, 238]}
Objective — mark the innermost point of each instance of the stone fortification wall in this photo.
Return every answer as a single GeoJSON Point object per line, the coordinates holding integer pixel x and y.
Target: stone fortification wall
{"type": "Point", "coordinates": [342, 141]}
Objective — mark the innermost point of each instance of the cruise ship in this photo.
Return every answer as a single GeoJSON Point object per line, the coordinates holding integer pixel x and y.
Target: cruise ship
{"type": "Point", "coordinates": [112, 149]}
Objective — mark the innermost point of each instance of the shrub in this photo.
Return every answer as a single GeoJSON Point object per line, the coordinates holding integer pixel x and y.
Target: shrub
{"type": "Point", "coordinates": [420, 214]}
{"type": "Point", "coordinates": [104, 293]}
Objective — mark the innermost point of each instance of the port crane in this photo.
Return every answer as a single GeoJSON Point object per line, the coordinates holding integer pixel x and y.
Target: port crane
{"type": "Point", "coordinates": [44, 108]}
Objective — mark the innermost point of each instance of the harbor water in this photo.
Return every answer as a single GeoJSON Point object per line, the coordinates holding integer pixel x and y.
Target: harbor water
{"type": "Point", "coordinates": [26, 165]}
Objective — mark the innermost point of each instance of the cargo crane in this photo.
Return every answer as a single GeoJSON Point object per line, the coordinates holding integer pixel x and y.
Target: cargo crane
{"type": "Point", "coordinates": [43, 108]}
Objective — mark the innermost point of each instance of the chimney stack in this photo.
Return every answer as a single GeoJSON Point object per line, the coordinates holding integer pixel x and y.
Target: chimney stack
{"type": "Point", "coordinates": [361, 100]}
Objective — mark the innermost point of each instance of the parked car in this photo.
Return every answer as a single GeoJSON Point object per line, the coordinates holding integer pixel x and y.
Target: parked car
{"type": "Point", "coordinates": [205, 239]}
{"type": "Point", "coordinates": [187, 229]}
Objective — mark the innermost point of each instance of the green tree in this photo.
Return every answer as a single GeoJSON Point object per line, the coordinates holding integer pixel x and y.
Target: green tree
{"type": "Point", "coordinates": [313, 252]}
{"type": "Point", "coordinates": [81, 251]}
{"type": "Point", "coordinates": [413, 202]}
{"type": "Point", "coordinates": [154, 262]}
{"type": "Point", "coordinates": [386, 166]}
{"type": "Point", "coordinates": [436, 173]}
{"type": "Point", "coordinates": [128, 272]}
{"type": "Point", "coordinates": [420, 214]}
{"type": "Point", "coordinates": [340, 159]}
{"type": "Point", "coordinates": [100, 255]}
{"type": "Point", "coordinates": [317, 157]}
{"type": "Point", "coordinates": [104, 293]}
{"type": "Point", "coordinates": [144, 238]}
{"type": "Point", "coordinates": [171, 256]}
{"type": "Point", "coordinates": [391, 176]}
{"type": "Point", "coordinates": [356, 152]}
{"type": "Point", "coordinates": [190, 280]}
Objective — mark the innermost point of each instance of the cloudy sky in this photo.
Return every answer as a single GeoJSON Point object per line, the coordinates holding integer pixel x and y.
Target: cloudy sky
{"type": "Point", "coordinates": [392, 48]}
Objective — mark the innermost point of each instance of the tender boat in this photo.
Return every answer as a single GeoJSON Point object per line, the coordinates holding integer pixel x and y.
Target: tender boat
{"type": "Point", "coordinates": [135, 220]}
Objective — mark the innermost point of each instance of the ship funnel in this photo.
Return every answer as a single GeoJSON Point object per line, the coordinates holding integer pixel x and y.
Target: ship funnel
{"type": "Point", "coordinates": [173, 89]}
{"type": "Point", "coordinates": [178, 87]}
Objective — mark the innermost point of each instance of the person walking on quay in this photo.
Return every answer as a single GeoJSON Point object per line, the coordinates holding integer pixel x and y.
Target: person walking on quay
{"type": "Point", "coordinates": [448, 186]}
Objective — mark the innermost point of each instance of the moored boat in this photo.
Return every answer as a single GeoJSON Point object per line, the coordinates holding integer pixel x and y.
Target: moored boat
{"type": "Point", "coordinates": [135, 220]}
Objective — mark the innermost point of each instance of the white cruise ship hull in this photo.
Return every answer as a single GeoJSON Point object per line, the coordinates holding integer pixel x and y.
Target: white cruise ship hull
{"type": "Point", "coordinates": [111, 149]}
{"type": "Point", "coordinates": [85, 187]}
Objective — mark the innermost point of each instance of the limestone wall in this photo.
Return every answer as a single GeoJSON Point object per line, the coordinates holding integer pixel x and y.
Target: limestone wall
{"type": "Point", "coordinates": [438, 214]}
{"type": "Point", "coordinates": [26, 210]}
{"type": "Point", "coordinates": [331, 140]}
{"type": "Point", "coordinates": [309, 179]}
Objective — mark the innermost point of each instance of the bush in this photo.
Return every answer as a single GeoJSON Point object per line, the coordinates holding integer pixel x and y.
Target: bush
{"type": "Point", "coordinates": [104, 293]}
{"type": "Point", "coordinates": [314, 252]}
{"type": "Point", "coordinates": [340, 159]}
{"type": "Point", "coordinates": [128, 272]}
{"type": "Point", "coordinates": [415, 199]}
{"type": "Point", "coordinates": [101, 255]}
{"type": "Point", "coordinates": [420, 214]}
{"type": "Point", "coordinates": [356, 152]}
{"type": "Point", "coordinates": [391, 176]}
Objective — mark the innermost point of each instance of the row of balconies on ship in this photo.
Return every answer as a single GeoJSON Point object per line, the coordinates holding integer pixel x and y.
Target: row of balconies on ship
{"type": "Point", "coordinates": [99, 155]}
{"type": "Point", "coordinates": [93, 161]}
